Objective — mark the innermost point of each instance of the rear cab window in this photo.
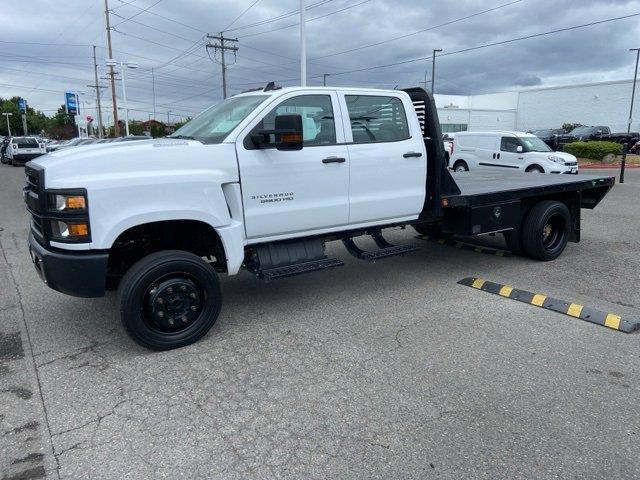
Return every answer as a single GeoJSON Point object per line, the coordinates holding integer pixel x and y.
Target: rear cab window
{"type": "Point", "coordinates": [377, 118]}
{"type": "Point", "coordinates": [25, 142]}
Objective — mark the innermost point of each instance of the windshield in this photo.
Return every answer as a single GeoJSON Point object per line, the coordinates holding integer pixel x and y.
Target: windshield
{"type": "Point", "coordinates": [534, 144]}
{"type": "Point", "coordinates": [542, 133]}
{"type": "Point", "coordinates": [582, 130]}
{"type": "Point", "coordinates": [214, 124]}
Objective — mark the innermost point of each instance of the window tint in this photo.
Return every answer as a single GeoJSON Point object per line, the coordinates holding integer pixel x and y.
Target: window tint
{"type": "Point", "coordinates": [318, 124]}
{"type": "Point", "coordinates": [509, 144]}
{"type": "Point", "coordinates": [377, 119]}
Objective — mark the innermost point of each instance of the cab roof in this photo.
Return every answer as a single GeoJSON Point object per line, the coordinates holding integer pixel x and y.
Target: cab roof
{"type": "Point", "coordinates": [283, 90]}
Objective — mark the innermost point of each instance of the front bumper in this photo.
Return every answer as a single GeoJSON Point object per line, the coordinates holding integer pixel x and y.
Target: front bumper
{"type": "Point", "coordinates": [74, 273]}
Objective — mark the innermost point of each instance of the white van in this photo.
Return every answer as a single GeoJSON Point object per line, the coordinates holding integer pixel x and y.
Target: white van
{"type": "Point", "coordinates": [508, 151]}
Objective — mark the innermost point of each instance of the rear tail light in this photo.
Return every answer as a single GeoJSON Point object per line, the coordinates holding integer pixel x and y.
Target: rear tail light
{"type": "Point", "coordinates": [42, 145]}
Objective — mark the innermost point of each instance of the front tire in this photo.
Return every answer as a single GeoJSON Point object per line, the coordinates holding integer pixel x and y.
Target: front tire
{"type": "Point", "coordinates": [546, 230]}
{"type": "Point", "coordinates": [169, 299]}
{"type": "Point", "coordinates": [534, 169]}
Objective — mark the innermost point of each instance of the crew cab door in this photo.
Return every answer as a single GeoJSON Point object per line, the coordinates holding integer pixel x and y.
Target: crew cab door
{"type": "Point", "coordinates": [296, 192]}
{"type": "Point", "coordinates": [387, 157]}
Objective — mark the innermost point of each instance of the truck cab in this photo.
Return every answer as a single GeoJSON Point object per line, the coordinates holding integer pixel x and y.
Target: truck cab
{"type": "Point", "coordinates": [261, 181]}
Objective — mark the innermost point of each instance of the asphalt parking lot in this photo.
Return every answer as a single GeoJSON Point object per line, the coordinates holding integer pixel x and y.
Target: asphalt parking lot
{"type": "Point", "coordinates": [388, 370]}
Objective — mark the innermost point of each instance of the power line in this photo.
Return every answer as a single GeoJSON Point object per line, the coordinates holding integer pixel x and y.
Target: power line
{"type": "Point", "coordinates": [493, 44]}
{"type": "Point", "coordinates": [308, 20]}
{"type": "Point", "coordinates": [279, 17]}
{"type": "Point", "coordinates": [434, 27]}
{"type": "Point", "coordinates": [239, 16]}
{"type": "Point", "coordinates": [146, 9]}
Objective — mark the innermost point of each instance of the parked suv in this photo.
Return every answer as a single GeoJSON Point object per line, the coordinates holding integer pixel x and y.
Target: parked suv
{"type": "Point", "coordinates": [22, 149]}
{"type": "Point", "coordinates": [508, 151]}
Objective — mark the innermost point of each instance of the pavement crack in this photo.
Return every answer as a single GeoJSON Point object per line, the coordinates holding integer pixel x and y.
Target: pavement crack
{"type": "Point", "coordinates": [23, 317]}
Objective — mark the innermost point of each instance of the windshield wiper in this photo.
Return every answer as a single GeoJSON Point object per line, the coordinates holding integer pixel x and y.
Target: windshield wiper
{"type": "Point", "coordinates": [183, 137]}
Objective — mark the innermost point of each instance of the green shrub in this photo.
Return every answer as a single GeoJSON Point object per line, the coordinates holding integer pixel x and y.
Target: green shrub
{"type": "Point", "coordinates": [593, 150]}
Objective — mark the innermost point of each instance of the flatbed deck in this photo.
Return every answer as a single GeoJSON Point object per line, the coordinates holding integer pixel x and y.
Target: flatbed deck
{"type": "Point", "coordinates": [478, 188]}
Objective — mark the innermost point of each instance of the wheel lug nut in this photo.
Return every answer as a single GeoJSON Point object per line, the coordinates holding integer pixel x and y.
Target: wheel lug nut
{"type": "Point", "coordinates": [170, 290]}
{"type": "Point", "coordinates": [160, 301]}
{"type": "Point", "coordinates": [184, 319]}
{"type": "Point", "coordinates": [183, 288]}
{"type": "Point", "coordinates": [192, 295]}
{"type": "Point", "coordinates": [193, 308]}
{"type": "Point", "coordinates": [171, 321]}
{"type": "Point", "coordinates": [161, 314]}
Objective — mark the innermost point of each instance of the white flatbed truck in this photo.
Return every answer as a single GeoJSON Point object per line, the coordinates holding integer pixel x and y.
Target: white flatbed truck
{"type": "Point", "coordinates": [261, 181]}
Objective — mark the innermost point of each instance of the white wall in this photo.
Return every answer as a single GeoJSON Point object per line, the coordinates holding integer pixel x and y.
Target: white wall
{"type": "Point", "coordinates": [594, 104]}
{"type": "Point", "coordinates": [604, 103]}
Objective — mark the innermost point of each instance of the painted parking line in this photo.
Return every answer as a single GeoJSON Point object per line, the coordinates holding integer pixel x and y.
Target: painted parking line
{"type": "Point", "coordinates": [466, 246]}
{"type": "Point", "coordinates": [588, 314]}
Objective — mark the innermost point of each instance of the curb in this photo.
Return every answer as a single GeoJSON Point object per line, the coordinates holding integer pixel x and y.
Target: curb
{"type": "Point", "coordinates": [596, 166]}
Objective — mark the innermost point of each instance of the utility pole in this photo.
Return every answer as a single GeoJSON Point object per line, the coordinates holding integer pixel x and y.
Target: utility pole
{"type": "Point", "coordinates": [223, 48]}
{"type": "Point", "coordinates": [324, 79]}
{"type": "Point", "coordinates": [153, 88]}
{"type": "Point", "coordinates": [633, 97]}
{"type": "Point", "coordinates": [303, 46]}
{"type": "Point", "coordinates": [433, 69]}
{"type": "Point", "coordinates": [111, 72]}
{"type": "Point", "coordinates": [7, 115]}
{"type": "Point", "coordinates": [168, 113]}
{"type": "Point", "coordinates": [97, 87]}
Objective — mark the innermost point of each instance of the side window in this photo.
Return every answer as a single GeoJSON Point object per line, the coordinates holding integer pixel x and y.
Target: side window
{"type": "Point", "coordinates": [509, 144]}
{"type": "Point", "coordinates": [318, 124]}
{"type": "Point", "coordinates": [377, 119]}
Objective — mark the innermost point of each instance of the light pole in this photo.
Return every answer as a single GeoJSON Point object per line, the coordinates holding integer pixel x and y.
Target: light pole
{"type": "Point", "coordinates": [633, 97]}
{"type": "Point", "coordinates": [7, 115]}
{"type": "Point", "coordinates": [433, 69]}
{"type": "Point", "coordinates": [112, 63]}
{"type": "Point", "coordinates": [168, 113]}
{"type": "Point", "coordinates": [303, 46]}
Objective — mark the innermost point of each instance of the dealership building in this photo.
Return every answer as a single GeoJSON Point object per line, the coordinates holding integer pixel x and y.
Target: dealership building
{"type": "Point", "coordinates": [604, 103]}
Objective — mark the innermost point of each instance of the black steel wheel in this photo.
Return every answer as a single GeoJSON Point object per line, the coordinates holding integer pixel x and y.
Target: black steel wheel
{"type": "Point", "coordinates": [546, 230]}
{"type": "Point", "coordinates": [169, 299]}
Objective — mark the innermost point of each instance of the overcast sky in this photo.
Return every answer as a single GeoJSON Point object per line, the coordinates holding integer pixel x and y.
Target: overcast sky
{"type": "Point", "coordinates": [45, 46]}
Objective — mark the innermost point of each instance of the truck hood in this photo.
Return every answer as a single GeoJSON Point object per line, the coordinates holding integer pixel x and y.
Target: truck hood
{"type": "Point", "coordinates": [79, 167]}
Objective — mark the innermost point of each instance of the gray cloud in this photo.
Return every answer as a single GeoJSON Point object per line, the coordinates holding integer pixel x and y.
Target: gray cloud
{"type": "Point", "coordinates": [191, 81]}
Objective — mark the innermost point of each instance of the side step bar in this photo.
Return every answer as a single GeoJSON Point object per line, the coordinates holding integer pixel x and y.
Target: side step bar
{"type": "Point", "coordinates": [386, 249]}
{"type": "Point", "coordinates": [299, 268]}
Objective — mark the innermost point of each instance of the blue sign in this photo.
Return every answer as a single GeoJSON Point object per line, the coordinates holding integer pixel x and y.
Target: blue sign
{"type": "Point", "coordinates": [22, 105]}
{"type": "Point", "coordinates": [71, 101]}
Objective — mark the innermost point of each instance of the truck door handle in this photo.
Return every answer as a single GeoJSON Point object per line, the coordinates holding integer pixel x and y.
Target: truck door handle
{"type": "Point", "coordinates": [494, 156]}
{"type": "Point", "coordinates": [333, 160]}
{"type": "Point", "coordinates": [498, 156]}
{"type": "Point", "coordinates": [412, 155]}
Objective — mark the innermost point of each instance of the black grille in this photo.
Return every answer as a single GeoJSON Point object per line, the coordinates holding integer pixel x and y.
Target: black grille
{"type": "Point", "coordinates": [34, 197]}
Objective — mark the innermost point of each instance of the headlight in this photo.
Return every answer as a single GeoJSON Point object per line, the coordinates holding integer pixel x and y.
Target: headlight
{"type": "Point", "coordinates": [556, 159]}
{"type": "Point", "coordinates": [68, 202]}
{"type": "Point", "coordinates": [69, 230]}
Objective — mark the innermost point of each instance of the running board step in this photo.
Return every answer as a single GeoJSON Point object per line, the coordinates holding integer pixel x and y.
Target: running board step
{"type": "Point", "coordinates": [299, 268]}
{"type": "Point", "coordinates": [385, 250]}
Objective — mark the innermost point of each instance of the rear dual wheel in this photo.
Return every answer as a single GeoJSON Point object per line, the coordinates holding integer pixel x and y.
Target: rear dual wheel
{"type": "Point", "coordinates": [544, 233]}
{"type": "Point", "coordinates": [169, 299]}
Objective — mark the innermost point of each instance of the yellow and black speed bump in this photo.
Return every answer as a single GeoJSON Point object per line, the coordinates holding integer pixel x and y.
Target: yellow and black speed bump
{"type": "Point", "coordinates": [611, 320]}
{"type": "Point", "coordinates": [466, 246]}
